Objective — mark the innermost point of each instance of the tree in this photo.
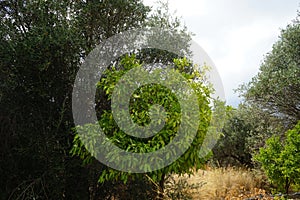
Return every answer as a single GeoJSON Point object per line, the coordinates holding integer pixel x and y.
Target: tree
{"type": "Point", "coordinates": [245, 130]}
{"type": "Point", "coordinates": [272, 96]}
{"type": "Point", "coordinates": [141, 101]}
{"type": "Point", "coordinates": [276, 88]}
{"type": "Point", "coordinates": [42, 44]}
{"type": "Point", "coordinates": [232, 149]}
{"type": "Point", "coordinates": [163, 19]}
{"type": "Point", "coordinates": [281, 161]}
{"type": "Point", "coordinates": [39, 53]}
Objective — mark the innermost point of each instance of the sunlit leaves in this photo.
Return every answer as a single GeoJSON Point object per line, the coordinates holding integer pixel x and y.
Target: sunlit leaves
{"type": "Point", "coordinates": [141, 101]}
{"type": "Point", "coordinates": [280, 161]}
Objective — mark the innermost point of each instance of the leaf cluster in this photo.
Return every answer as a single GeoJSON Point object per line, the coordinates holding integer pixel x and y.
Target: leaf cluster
{"type": "Point", "coordinates": [280, 161]}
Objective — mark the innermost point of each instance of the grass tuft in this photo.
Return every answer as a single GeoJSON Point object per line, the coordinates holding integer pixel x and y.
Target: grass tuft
{"type": "Point", "coordinates": [218, 184]}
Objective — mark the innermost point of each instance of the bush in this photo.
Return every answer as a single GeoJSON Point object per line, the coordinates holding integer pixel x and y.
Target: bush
{"type": "Point", "coordinates": [280, 161]}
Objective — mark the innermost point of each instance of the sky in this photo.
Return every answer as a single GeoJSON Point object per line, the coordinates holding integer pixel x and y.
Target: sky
{"type": "Point", "coordinates": [236, 34]}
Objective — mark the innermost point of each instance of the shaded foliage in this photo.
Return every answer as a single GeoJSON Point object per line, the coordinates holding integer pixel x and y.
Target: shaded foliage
{"type": "Point", "coordinates": [42, 44]}
{"type": "Point", "coordinates": [245, 130]}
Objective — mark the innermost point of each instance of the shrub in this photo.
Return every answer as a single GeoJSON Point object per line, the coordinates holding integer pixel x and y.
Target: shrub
{"type": "Point", "coordinates": [280, 161]}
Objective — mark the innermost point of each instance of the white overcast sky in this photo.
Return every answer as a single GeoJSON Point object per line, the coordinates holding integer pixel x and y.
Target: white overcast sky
{"type": "Point", "coordinates": [236, 34]}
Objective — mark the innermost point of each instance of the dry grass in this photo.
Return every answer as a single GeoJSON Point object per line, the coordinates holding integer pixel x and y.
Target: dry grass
{"type": "Point", "coordinates": [219, 184]}
{"type": "Point", "coordinates": [229, 183]}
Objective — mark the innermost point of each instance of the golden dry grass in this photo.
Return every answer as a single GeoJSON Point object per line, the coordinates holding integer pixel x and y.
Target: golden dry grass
{"type": "Point", "coordinates": [218, 184]}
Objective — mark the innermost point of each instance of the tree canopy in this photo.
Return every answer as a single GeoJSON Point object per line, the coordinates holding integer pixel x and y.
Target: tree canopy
{"type": "Point", "coordinates": [175, 121]}
{"type": "Point", "coordinates": [276, 88]}
{"type": "Point", "coordinates": [42, 44]}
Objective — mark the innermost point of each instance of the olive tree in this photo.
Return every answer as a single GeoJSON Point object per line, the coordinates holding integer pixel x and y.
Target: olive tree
{"type": "Point", "coordinates": [42, 44]}
{"type": "Point", "coordinates": [276, 87]}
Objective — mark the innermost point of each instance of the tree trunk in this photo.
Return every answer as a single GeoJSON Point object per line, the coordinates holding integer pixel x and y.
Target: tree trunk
{"type": "Point", "coordinates": [161, 187]}
{"type": "Point", "coordinates": [287, 185]}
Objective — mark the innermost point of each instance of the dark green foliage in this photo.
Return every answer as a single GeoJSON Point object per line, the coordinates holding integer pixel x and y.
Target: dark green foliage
{"type": "Point", "coordinates": [41, 46]}
{"type": "Point", "coordinates": [245, 130]}
{"type": "Point", "coordinates": [39, 61]}
{"type": "Point", "coordinates": [231, 149]}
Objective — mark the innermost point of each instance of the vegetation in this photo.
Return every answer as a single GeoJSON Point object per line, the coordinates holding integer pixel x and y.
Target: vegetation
{"type": "Point", "coordinates": [281, 161]}
{"type": "Point", "coordinates": [218, 183]}
{"type": "Point", "coordinates": [275, 91]}
{"type": "Point", "coordinates": [144, 98]}
{"type": "Point", "coordinates": [270, 107]}
{"type": "Point", "coordinates": [42, 45]}
{"type": "Point", "coordinates": [276, 87]}
{"type": "Point", "coordinates": [232, 149]}
{"type": "Point", "coordinates": [245, 130]}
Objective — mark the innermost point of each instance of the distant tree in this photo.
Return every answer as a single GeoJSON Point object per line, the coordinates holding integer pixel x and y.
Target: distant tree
{"type": "Point", "coordinates": [280, 161]}
{"type": "Point", "coordinates": [231, 148]}
{"type": "Point", "coordinates": [245, 130]}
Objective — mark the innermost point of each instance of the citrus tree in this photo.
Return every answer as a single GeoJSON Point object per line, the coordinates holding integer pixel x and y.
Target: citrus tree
{"type": "Point", "coordinates": [280, 161]}
{"type": "Point", "coordinates": [143, 110]}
